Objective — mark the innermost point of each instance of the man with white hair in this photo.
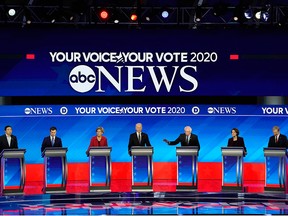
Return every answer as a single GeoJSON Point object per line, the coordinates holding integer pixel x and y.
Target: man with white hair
{"type": "Point", "coordinates": [138, 138]}
{"type": "Point", "coordinates": [186, 139]}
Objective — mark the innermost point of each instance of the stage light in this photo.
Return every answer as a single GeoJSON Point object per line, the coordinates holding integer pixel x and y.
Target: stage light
{"type": "Point", "coordinates": [134, 17]}
{"type": "Point", "coordinates": [11, 12]}
{"type": "Point", "coordinates": [248, 13]}
{"type": "Point", "coordinates": [27, 16]}
{"type": "Point", "coordinates": [238, 13]}
{"type": "Point", "coordinates": [265, 16]}
{"type": "Point", "coordinates": [116, 21]}
{"type": "Point", "coordinates": [198, 14]}
{"type": "Point", "coordinates": [258, 15]}
{"type": "Point", "coordinates": [165, 14]}
{"type": "Point", "coordinates": [104, 15]}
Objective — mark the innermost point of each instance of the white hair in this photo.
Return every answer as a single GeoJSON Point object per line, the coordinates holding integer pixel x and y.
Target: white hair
{"type": "Point", "coordinates": [188, 127]}
{"type": "Point", "coordinates": [140, 124]}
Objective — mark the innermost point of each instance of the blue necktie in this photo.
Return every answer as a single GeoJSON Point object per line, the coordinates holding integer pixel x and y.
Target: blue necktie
{"type": "Point", "coordinates": [53, 141]}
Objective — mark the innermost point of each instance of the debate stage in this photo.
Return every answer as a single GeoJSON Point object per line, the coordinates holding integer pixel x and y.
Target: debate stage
{"type": "Point", "coordinates": [149, 203]}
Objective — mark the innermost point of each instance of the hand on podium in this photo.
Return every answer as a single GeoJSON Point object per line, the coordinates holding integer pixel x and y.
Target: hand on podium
{"type": "Point", "coordinates": [165, 140]}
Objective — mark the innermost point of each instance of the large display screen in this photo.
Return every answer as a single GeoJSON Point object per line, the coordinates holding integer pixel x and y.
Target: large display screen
{"type": "Point", "coordinates": [76, 125]}
{"type": "Point", "coordinates": [101, 62]}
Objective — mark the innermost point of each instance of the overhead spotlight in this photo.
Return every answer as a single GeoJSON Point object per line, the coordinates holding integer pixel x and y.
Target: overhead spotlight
{"type": "Point", "coordinates": [134, 16]}
{"type": "Point", "coordinates": [27, 16]}
{"type": "Point", "coordinates": [104, 14]}
{"type": "Point", "coordinates": [12, 12]}
{"type": "Point", "coordinates": [238, 14]}
{"type": "Point", "coordinates": [248, 13]}
{"type": "Point", "coordinates": [198, 14]}
{"type": "Point", "coordinates": [264, 14]}
{"type": "Point", "coordinates": [165, 14]}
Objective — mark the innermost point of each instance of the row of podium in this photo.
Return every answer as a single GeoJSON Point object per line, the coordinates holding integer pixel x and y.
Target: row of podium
{"type": "Point", "coordinates": [13, 170]}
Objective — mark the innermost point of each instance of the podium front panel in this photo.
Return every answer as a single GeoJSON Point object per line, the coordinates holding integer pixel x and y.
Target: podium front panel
{"type": "Point", "coordinates": [185, 166]}
{"type": "Point", "coordinates": [54, 171]}
{"type": "Point", "coordinates": [98, 170]}
{"type": "Point", "coordinates": [272, 170]}
{"type": "Point", "coordinates": [230, 169]}
{"type": "Point", "coordinates": [12, 172]}
{"type": "Point", "coordinates": [140, 169]}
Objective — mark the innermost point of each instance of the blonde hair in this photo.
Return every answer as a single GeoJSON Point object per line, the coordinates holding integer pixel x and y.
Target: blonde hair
{"type": "Point", "coordinates": [100, 128]}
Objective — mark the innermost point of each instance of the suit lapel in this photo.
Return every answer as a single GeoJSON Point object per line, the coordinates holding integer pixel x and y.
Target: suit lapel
{"type": "Point", "coordinates": [6, 141]}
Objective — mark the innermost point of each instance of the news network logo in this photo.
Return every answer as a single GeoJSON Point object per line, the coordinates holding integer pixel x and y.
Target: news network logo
{"type": "Point", "coordinates": [38, 111]}
{"type": "Point", "coordinates": [222, 110]}
{"type": "Point", "coordinates": [82, 78]}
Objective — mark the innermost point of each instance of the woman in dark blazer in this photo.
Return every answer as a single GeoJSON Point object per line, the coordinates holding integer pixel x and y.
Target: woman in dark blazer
{"type": "Point", "coordinates": [236, 141]}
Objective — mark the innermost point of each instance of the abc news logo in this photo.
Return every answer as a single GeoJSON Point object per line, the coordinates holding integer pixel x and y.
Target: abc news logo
{"type": "Point", "coordinates": [82, 78]}
{"type": "Point", "coordinates": [222, 110]}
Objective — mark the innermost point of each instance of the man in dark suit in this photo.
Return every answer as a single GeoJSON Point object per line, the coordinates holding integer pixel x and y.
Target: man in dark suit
{"type": "Point", "coordinates": [8, 141]}
{"type": "Point", "coordinates": [186, 139]}
{"type": "Point", "coordinates": [52, 140]}
{"type": "Point", "coordinates": [277, 140]}
{"type": "Point", "coordinates": [138, 138]}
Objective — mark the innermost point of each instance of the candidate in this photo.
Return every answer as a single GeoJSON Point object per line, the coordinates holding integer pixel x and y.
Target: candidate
{"type": "Point", "coordinates": [278, 139]}
{"type": "Point", "coordinates": [8, 141]}
{"type": "Point", "coordinates": [98, 140]}
{"type": "Point", "coordinates": [138, 138]}
{"type": "Point", "coordinates": [236, 140]}
{"type": "Point", "coordinates": [52, 140]}
{"type": "Point", "coordinates": [186, 138]}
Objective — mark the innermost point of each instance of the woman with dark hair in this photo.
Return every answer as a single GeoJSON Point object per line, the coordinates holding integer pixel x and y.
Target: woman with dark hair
{"type": "Point", "coordinates": [236, 141]}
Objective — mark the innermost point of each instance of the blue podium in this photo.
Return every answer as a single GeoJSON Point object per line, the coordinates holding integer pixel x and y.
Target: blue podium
{"type": "Point", "coordinates": [142, 168]}
{"type": "Point", "coordinates": [55, 170]}
{"type": "Point", "coordinates": [100, 169]}
{"type": "Point", "coordinates": [187, 168]}
{"type": "Point", "coordinates": [275, 170]}
{"type": "Point", "coordinates": [13, 171]}
{"type": "Point", "coordinates": [232, 169]}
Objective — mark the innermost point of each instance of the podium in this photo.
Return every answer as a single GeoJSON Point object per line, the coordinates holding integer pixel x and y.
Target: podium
{"type": "Point", "coordinates": [100, 169]}
{"type": "Point", "coordinates": [232, 168]}
{"type": "Point", "coordinates": [13, 171]}
{"type": "Point", "coordinates": [142, 168]}
{"type": "Point", "coordinates": [275, 170]}
{"type": "Point", "coordinates": [187, 168]}
{"type": "Point", "coordinates": [55, 170]}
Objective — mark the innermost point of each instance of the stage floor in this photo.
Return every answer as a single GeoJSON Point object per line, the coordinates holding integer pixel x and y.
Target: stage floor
{"type": "Point", "coordinates": [154, 203]}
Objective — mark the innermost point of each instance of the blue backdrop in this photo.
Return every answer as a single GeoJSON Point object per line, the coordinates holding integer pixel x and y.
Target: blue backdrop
{"type": "Point", "coordinates": [260, 70]}
{"type": "Point", "coordinates": [212, 126]}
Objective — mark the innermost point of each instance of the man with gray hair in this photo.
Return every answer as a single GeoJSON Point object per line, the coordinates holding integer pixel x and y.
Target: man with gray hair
{"type": "Point", "coordinates": [186, 139]}
{"type": "Point", "coordinates": [277, 140]}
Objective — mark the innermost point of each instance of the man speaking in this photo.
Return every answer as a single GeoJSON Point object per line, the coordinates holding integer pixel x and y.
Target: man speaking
{"type": "Point", "coordinates": [186, 139]}
{"type": "Point", "coordinates": [8, 141]}
{"type": "Point", "coordinates": [51, 140]}
{"type": "Point", "coordinates": [138, 138]}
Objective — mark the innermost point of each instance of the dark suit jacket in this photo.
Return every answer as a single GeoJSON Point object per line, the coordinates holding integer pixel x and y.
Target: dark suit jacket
{"type": "Point", "coordinates": [282, 141]}
{"type": "Point", "coordinates": [47, 143]}
{"type": "Point", "coordinates": [238, 143]}
{"type": "Point", "coordinates": [133, 141]}
{"type": "Point", "coordinates": [4, 143]}
{"type": "Point", "coordinates": [182, 138]}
